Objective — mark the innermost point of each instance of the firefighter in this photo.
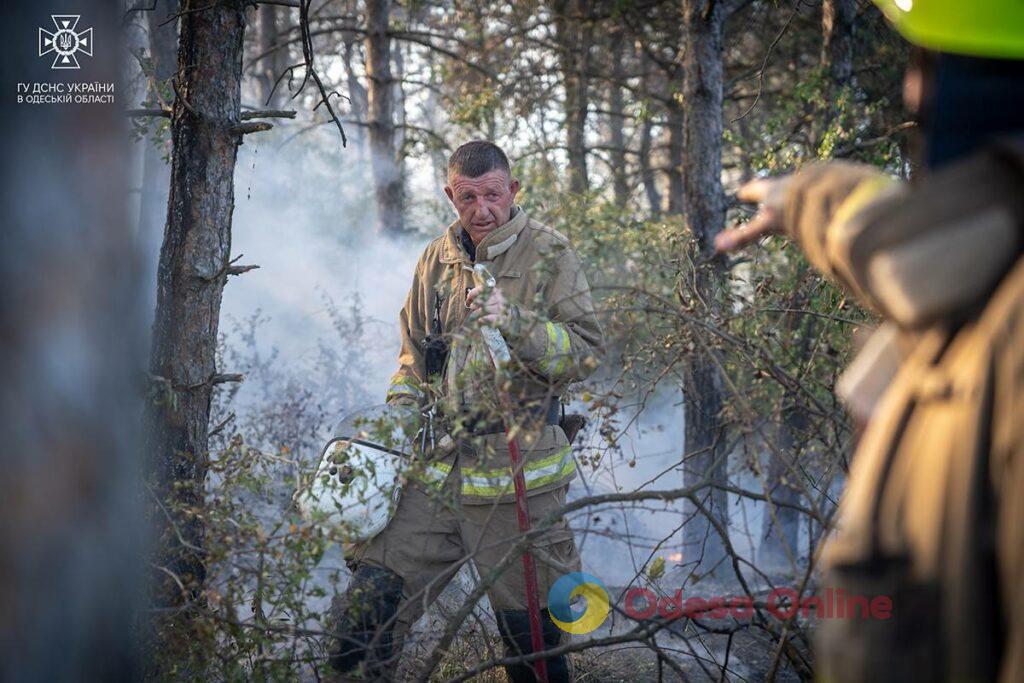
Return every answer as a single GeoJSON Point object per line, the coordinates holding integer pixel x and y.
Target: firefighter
{"type": "Point", "coordinates": [460, 508]}
{"type": "Point", "coordinates": [933, 512]}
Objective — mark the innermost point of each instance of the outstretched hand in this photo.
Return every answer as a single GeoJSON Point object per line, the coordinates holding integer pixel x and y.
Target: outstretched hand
{"type": "Point", "coordinates": [768, 193]}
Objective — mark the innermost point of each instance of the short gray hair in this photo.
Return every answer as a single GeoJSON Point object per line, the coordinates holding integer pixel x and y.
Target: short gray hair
{"type": "Point", "coordinates": [476, 158]}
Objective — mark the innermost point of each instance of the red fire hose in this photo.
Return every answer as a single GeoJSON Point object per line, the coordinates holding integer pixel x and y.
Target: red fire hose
{"type": "Point", "coordinates": [540, 666]}
{"type": "Point", "coordinates": [498, 350]}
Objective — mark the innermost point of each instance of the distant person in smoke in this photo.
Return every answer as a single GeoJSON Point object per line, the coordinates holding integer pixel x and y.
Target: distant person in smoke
{"type": "Point", "coordinates": [463, 509]}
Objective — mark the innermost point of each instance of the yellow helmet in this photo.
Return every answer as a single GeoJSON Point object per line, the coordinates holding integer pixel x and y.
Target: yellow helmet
{"type": "Point", "coordinates": [981, 28]}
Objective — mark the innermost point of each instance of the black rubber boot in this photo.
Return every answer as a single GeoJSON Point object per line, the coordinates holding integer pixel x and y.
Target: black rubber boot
{"type": "Point", "coordinates": [371, 600]}
{"type": "Point", "coordinates": [514, 626]}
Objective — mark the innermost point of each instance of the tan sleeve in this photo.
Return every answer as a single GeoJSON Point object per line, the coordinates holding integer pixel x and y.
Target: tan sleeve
{"type": "Point", "coordinates": [1007, 474]}
{"type": "Point", "coordinates": [407, 384]}
{"type": "Point", "coordinates": [819, 203]}
{"type": "Point", "coordinates": [1010, 552]}
{"type": "Point", "coordinates": [564, 343]}
{"type": "Point", "coordinates": [911, 255]}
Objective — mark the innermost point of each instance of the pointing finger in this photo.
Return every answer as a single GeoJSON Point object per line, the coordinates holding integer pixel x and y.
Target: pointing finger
{"type": "Point", "coordinates": [764, 223]}
{"type": "Point", "coordinates": [755, 191]}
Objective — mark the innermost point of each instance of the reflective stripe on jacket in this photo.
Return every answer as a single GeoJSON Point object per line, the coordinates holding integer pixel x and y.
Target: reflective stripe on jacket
{"type": "Point", "coordinates": [490, 484]}
{"type": "Point", "coordinates": [553, 336]}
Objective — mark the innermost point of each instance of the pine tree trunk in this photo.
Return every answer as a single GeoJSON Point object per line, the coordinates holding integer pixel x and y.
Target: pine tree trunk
{"type": "Point", "coordinates": [574, 40]}
{"type": "Point", "coordinates": [398, 64]}
{"type": "Point", "coordinates": [272, 63]}
{"type": "Point", "coordinates": [191, 276]}
{"type": "Point", "coordinates": [387, 174]}
{"type": "Point", "coordinates": [433, 113]}
{"type": "Point", "coordinates": [780, 526]}
{"type": "Point", "coordinates": [675, 171]}
{"type": "Point", "coordinates": [156, 172]}
{"type": "Point", "coordinates": [617, 122]}
{"type": "Point", "coordinates": [358, 104]}
{"type": "Point", "coordinates": [837, 19]}
{"type": "Point", "coordinates": [837, 45]}
{"type": "Point", "coordinates": [647, 175]}
{"type": "Point", "coordinates": [704, 206]}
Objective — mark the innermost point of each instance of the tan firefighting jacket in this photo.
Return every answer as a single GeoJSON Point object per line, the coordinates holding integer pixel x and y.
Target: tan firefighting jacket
{"type": "Point", "coordinates": [553, 335]}
{"type": "Point", "coordinates": [933, 512]}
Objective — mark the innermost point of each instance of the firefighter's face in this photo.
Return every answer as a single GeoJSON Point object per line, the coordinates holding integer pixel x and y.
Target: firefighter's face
{"type": "Point", "coordinates": [483, 203]}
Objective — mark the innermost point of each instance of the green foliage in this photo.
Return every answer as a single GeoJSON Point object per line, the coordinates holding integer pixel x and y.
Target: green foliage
{"type": "Point", "coordinates": [158, 96]}
{"type": "Point", "coordinates": [778, 332]}
{"type": "Point", "coordinates": [474, 108]}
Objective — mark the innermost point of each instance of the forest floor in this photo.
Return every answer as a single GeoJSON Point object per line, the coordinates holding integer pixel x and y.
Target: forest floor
{"type": "Point", "coordinates": [697, 654]}
{"type": "Point", "coordinates": [751, 654]}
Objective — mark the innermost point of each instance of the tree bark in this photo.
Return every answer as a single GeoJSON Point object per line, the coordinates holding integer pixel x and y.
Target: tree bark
{"type": "Point", "coordinates": [271, 65]}
{"type": "Point", "coordinates": [387, 174]}
{"type": "Point", "coordinates": [780, 525]}
{"type": "Point", "coordinates": [71, 353]}
{"type": "Point", "coordinates": [358, 105]}
{"type": "Point", "coordinates": [400, 113]}
{"type": "Point", "coordinates": [617, 122]}
{"type": "Point", "coordinates": [156, 172]}
{"type": "Point", "coordinates": [837, 45]}
{"type": "Point", "coordinates": [704, 206]}
{"type": "Point", "coordinates": [433, 113]}
{"type": "Point", "coordinates": [191, 276]}
{"type": "Point", "coordinates": [573, 35]}
{"type": "Point", "coordinates": [647, 174]}
{"type": "Point", "coordinates": [837, 19]}
{"type": "Point", "coordinates": [675, 171]}
{"type": "Point", "coordinates": [676, 136]}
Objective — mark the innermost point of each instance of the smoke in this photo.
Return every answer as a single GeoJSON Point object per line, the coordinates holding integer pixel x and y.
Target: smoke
{"type": "Point", "coordinates": [304, 212]}
{"type": "Point", "coordinates": [617, 541]}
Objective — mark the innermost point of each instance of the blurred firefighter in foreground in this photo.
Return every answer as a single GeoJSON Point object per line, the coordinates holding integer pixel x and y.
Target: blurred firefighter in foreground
{"type": "Point", "coordinates": [462, 508]}
{"type": "Point", "coordinates": [933, 513]}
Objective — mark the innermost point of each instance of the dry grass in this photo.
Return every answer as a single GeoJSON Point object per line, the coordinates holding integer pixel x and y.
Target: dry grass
{"type": "Point", "coordinates": [619, 665]}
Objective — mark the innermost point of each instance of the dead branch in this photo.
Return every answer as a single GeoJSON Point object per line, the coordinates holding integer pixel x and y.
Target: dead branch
{"type": "Point", "coordinates": [311, 72]}
{"type": "Point", "coordinates": [238, 270]}
{"type": "Point", "coordinates": [268, 114]}
{"type": "Point", "coordinates": [220, 426]}
{"type": "Point", "coordinates": [251, 127]}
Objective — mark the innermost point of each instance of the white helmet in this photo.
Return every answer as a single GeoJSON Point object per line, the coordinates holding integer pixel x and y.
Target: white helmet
{"type": "Point", "coordinates": [358, 483]}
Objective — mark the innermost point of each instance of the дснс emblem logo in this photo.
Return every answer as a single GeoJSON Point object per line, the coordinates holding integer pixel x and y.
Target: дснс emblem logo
{"type": "Point", "coordinates": [65, 41]}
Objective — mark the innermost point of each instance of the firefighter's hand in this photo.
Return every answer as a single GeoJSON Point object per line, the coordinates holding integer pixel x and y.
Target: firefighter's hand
{"type": "Point", "coordinates": [768, 193]}
{"type": "Point", "coordinates": [491, 309]}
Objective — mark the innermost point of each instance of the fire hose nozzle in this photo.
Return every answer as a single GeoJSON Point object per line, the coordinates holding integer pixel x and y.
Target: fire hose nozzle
{"type": "Point", "coordinates": [485, 276]}
{"type": "Point", "coordinates": [496, 344]}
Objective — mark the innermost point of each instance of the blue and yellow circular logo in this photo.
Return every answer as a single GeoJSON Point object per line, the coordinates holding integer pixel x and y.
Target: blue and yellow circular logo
{"type": "Point", "coordinates": [573, 585]}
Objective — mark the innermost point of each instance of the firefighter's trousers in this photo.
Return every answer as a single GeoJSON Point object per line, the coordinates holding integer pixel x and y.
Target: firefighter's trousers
{"type": "Point", "coordinates": [431, 536]}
